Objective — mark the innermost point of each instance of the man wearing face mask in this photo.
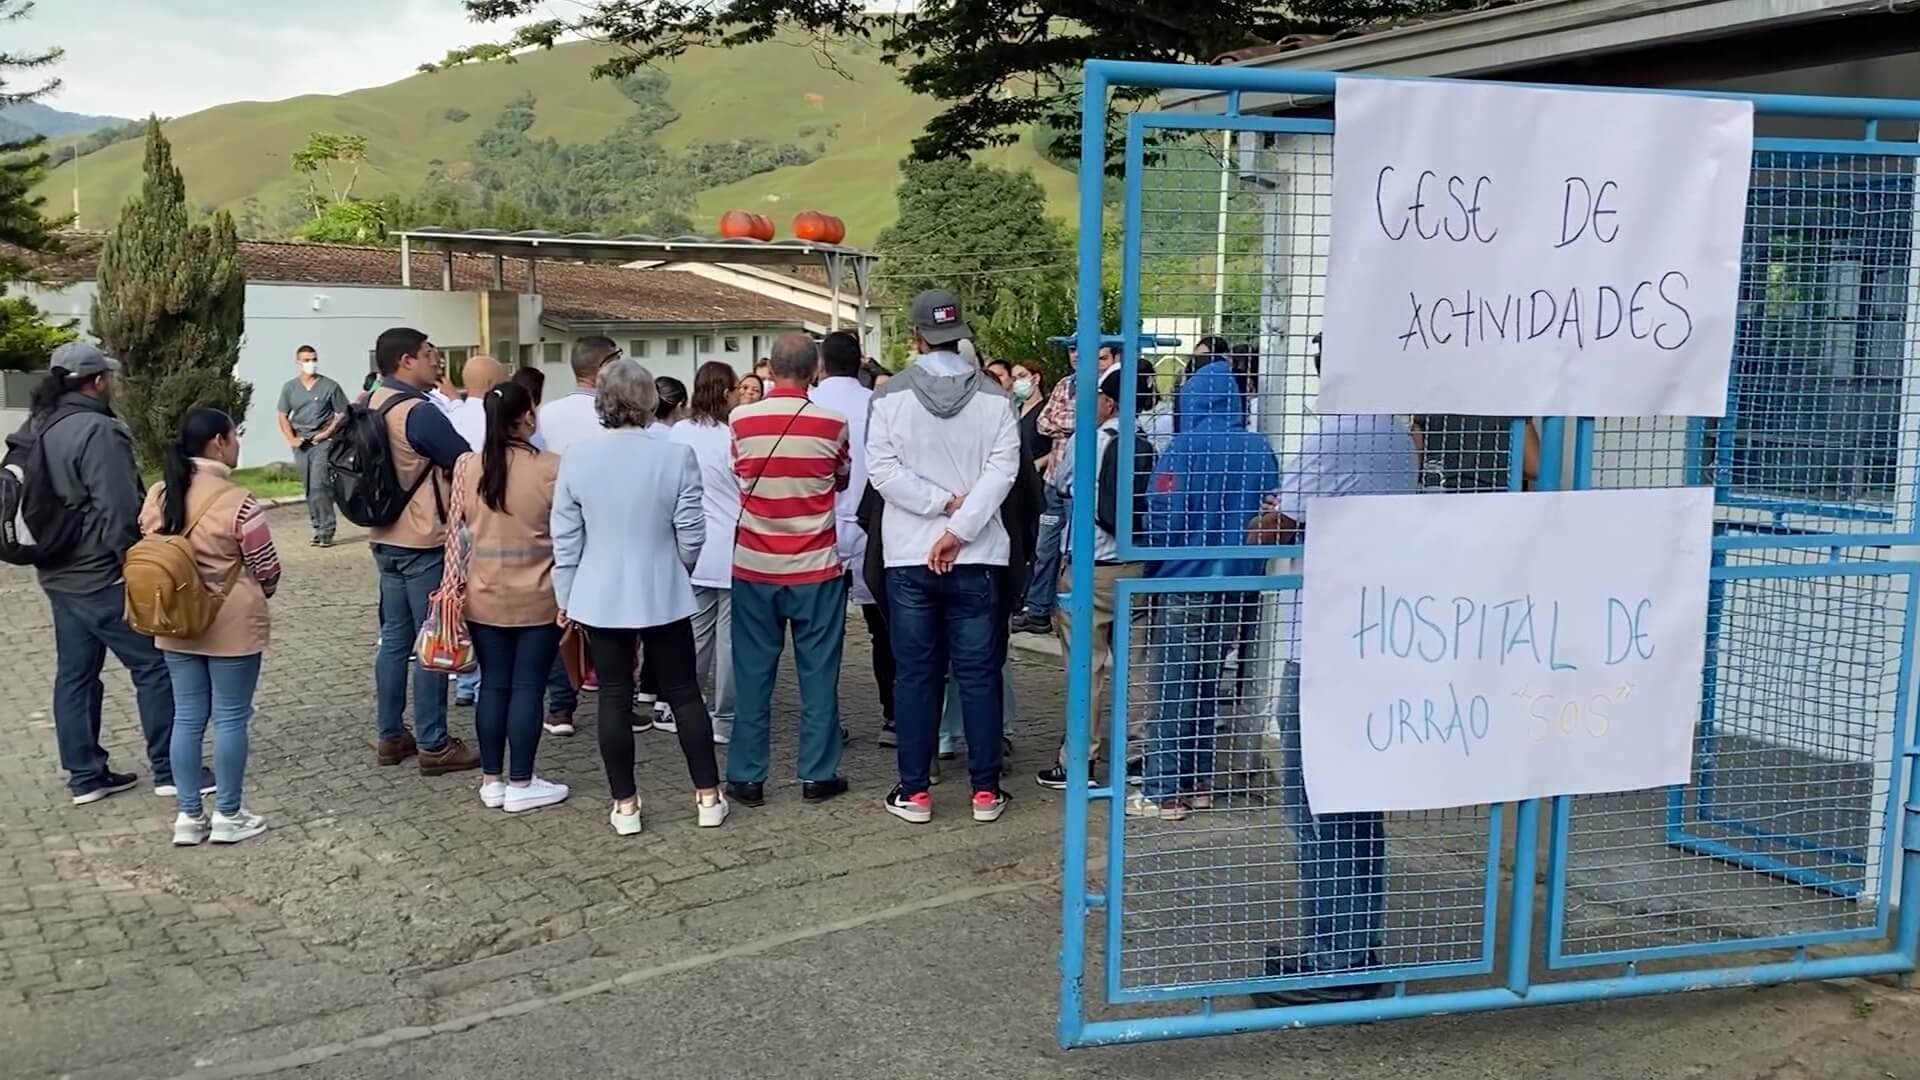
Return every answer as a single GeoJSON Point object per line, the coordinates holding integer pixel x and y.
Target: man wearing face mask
{"type": "Point", "coordinates": [311, 409]}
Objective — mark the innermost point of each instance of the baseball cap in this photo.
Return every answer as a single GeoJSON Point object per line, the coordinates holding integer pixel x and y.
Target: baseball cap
{"type": "Point", "coordinates": [1110, 383]}
{"type": "Point", "coordinates": [936, 314]}
{"type": "Point", "coordinates": [84, 360]}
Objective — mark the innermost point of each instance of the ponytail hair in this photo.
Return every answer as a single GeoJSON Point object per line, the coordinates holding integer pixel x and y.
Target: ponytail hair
{"type": "Point", "coordinates": [673, 394]}
{"type": "Point", "coordinates": [46, 392]}
{"type": "Point", "coordinates": [505, 404]}
{"type": "Point", "coordinates": [198, 428]}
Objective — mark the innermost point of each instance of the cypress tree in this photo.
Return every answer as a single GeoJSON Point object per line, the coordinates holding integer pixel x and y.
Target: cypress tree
{"type": "Point", "coordinates": [171, 306]}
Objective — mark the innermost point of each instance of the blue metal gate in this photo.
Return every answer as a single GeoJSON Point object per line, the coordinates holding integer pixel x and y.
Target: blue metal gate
{"type": "Point", "coordinates": [1779, 861]}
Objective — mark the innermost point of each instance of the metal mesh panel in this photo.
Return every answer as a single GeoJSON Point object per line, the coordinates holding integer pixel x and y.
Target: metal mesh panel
{"type": "Point", "coordinates": [1780, 833]}
{"type": "Point", "coordinates": [1828, 305]}
{"type": "Point", "coordinates": [1226, 876]}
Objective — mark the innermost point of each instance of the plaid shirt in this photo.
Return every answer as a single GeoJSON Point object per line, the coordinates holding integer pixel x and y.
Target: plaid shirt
{"type": "Point", "coordinates": [1056, 416]}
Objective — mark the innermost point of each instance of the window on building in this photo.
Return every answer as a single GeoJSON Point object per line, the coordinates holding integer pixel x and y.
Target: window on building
{"type": "Point", "coordinates": [526, 356]}
{"type": "Point", "coordinates": [456, 358]}
{"type": "Point", "coordinates": [731, 344]}
{"type": "Point", "coordinates": [702, 345]}
{"type": "Point", "coordinates": [673, 346]}
{"type": "Point", "coordinates": [502, 350]}
{"type": "Point", "coordinates": [553, 352]}
{"type": "Point", "coordinates": [639, 348]}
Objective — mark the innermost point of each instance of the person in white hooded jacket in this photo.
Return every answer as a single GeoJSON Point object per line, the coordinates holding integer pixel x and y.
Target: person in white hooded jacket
{"type": "Point", "coordinates": [943, 450]}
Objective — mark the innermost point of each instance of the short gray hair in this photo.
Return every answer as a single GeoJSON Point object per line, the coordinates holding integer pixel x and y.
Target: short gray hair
{"type": "Point", "coordinates": [796, 356]}
{"type": "Point", "coordinates": [627, 396]}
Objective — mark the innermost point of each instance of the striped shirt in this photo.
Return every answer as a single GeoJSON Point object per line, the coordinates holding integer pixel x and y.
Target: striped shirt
{"type": "Point", "coordinates": [791, 457]}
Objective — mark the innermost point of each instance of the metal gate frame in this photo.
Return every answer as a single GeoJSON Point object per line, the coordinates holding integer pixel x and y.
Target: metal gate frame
{"type": "Point", "coordinates": [1509, 958]}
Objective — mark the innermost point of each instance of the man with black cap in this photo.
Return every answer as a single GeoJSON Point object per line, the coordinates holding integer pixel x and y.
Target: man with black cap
{"type": "Point", "coordinates": [943, 450]}
{"type": "Point", "coordinates": [90, 468]}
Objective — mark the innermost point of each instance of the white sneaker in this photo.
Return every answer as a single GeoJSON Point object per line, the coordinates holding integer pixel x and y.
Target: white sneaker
{"type": "Point", "coordinates": [663, 718]}
{"type": "Point", "coordinates": [243, 825]}
{"type": "Point", "coordinates": [722, 732]}
{"type": "Point", "coordinates": [712, 815]}
{"type": "Point", "coordinates": [493, 794]}
{"type": "Point", "coordinates": [626, 824]}
{"type": "Point", "coordinates": [562, 727]}
{"type": "Point", "coordinates": [188, 831]}
{"type": "Point", "coordinates": [536, 794]}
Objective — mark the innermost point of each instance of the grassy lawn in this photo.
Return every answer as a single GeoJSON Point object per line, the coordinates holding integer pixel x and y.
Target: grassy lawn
{"type": "Point", "coordinates": [265, 486]}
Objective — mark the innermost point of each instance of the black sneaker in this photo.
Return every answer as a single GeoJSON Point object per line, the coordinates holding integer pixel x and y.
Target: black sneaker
{"type": "Point", "coordinates": [1136, 771]}
{"type": "Point", "coordinates": [887, 736]}
{"type": "Point", "coordinates": [111, 784]}
{"type": "Point", "coordinates": [917, 809]}
{"type": "Point", "coordinates": [168, 789]}
{"type": "Point", "coordinates": [1033, 624]}
{"type": "Point", "coordinates": [1283, 966]}
{"type": "Point", "coordinates": [1056, 778]}
{"type": "Point", "coordinates": [746, 793]}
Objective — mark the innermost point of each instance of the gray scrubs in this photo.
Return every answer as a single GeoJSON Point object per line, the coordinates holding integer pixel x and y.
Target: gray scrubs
{"type": "Point", "coordinates": [309, 410]}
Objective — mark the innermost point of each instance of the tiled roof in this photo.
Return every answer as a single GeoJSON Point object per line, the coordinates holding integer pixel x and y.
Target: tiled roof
{"type": "Point", "coordinates": [570, 291]}
{"type": "Point", "coordinates": [576, 292]}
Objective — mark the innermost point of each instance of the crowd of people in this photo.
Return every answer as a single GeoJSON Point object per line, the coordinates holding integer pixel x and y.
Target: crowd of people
{"type": "Point", "coordinates": [659, 548]}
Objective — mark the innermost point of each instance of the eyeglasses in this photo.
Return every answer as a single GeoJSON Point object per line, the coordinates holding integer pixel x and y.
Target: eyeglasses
{"type": "Point", "coordinates": [611, 357]}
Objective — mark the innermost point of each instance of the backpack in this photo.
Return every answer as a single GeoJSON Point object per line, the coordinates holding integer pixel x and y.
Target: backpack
{"type": "Point", "coordinates": [166, 597]}
{"type": "Point", "coordinates": [36, 527]}
{"type": "Point", "coordinates": [1106, 503]}
{"type": "Point", "coordinates": [360, 462]}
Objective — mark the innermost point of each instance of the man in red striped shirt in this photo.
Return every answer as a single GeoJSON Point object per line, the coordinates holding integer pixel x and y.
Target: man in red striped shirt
{"type": "Point", "coordinates": [792, 458]}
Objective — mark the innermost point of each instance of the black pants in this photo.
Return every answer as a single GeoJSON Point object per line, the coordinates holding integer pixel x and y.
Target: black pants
{"type": "Point", "coordinates": [671, 647]}
{"type": "Point", "coordinates": [876, 619]}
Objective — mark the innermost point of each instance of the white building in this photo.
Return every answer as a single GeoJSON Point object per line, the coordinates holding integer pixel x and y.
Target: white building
{"type": "Point", "coordinates": [338, 299]}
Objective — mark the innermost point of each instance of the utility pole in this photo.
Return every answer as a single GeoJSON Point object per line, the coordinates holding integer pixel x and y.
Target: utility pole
{"type": "Point", "coordinates": [76, 181]}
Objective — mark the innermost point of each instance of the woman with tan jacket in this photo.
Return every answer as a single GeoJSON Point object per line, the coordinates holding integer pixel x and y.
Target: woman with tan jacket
{"type": "Point", "coordinates": [214, 674]}
{"type": "Point", "coordinates": [499, 532]}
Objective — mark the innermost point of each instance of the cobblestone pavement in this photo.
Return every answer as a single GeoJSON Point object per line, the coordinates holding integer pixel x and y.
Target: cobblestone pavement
{"type": "Point", "coordinates": [385, 902]}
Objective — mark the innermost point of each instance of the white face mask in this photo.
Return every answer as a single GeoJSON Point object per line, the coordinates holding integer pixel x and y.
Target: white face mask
{"type": "Point", "coordinates": [309, 367]}
{"type": "Point", "coordinates": [1022, 389]}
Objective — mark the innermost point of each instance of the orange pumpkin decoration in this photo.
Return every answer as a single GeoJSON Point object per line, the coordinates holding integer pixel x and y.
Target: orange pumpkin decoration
{"type": "Point", "coordinates": [836, 230]}
{"type": "Point", "coordinates": [739, 224]}
{"type": "Point", "coordinates": [765, 232]}
{"type": "Point", "coordinates": [810, 225]}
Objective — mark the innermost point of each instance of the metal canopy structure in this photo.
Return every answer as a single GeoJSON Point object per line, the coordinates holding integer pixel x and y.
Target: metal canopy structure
{"type": "Point", "coordinates": [843, 265]}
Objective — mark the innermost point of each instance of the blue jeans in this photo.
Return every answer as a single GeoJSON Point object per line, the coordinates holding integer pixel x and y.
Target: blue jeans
{"type": "Point", "coordinates": [220, 689]}
{"type": "Point", "coordinates": [953, 716]}
{"type": "Point", "coordinates": [1342, 859]}
{"type": "Point", "coordinates": [517, 661]}
{"type": "Point", "coordinates": [562, 695]}
{"type": "Point", "coordinates": [408, 577]}
{"type": "Point", "coordinates": [1186, 642]}
{"type": "Point", "coordinates": [85, 626]}
{"type": "Point", "coordinates": [761, 615]}
{"type": "Point", "coordinates": [943, 622]}
{"type": "Point", "coordinates": [1043, 591]}
{"type": "Point", "coordinates": [467, 684]}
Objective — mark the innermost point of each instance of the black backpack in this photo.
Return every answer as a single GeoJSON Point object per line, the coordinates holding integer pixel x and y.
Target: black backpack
{"type": "Point", "coordinates": [36, 527]}
{"type": "Point", "coordinates": [366, 482]}
{"type": "Point", "coordinates": [1106, 502]}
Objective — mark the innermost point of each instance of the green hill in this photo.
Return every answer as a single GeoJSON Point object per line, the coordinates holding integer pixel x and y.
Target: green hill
{"type": "Point", "coordinates": [864, 122]}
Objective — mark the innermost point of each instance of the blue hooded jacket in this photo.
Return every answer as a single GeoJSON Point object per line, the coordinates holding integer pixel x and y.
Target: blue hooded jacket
{"type": "Point", "coordinates": [1207, 486]}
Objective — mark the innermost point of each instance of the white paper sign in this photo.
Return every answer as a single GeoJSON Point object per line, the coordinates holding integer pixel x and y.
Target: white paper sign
{"type": "Point", "coordinates": [1511, 252]}
{"type": "Point", "coordinates": [1467, 649]}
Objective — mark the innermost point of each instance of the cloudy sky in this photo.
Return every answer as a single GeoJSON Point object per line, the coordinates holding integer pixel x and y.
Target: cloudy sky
{"type": "Point", "coordinates": [132, 57]}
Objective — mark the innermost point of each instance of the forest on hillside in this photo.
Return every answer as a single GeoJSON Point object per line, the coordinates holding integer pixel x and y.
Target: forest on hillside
{"type": "Point", "coordinates": [625, 182]}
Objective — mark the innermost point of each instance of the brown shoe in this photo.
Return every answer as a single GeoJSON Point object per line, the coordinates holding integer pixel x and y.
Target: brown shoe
{"type": "Point", "coordinates": [396, 750]}
{"type": "Point", "coordinates": [456, 756]}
